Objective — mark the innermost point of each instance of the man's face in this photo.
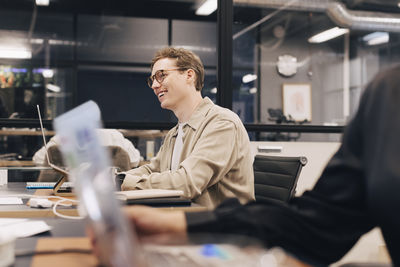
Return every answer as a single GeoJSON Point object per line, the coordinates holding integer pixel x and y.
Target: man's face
{"type": "Point", "coordinates": [174, 86]}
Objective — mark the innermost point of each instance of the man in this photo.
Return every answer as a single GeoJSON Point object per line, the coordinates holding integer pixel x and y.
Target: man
{"type": "Point", "coordinates": [358, 190]}
{"type": "Point", "coordinates": [207, 155]}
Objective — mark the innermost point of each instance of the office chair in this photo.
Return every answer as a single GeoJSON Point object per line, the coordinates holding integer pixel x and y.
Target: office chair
{"type": "Point", "coordinates": [120, 159]}
{"type": "Point", "coordinates": [275, 178]}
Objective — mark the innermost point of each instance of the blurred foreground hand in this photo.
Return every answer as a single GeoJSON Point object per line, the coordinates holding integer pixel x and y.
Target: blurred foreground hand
{"type": "Point", "coordinates": [153, 224]}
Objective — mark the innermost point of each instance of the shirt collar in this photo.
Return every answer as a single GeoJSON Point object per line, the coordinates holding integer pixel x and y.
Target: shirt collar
{"type": "Point", "coordinates": [196, 119]}
{"type": "Point", "coordinates": [201, 111]}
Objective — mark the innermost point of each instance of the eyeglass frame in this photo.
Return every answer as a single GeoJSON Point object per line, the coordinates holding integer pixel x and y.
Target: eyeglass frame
{"type": "Point", "coordinates": [150, 80]}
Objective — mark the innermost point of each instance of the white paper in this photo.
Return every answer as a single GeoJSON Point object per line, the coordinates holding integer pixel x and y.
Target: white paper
{"type": "Point", "coordinates": [3, 177]}
{"type": "Point", "coordinates": [9, 221]}
{"type": "Point", "coordinates": [11, 201]}
{"type": "Point", "coordinates": [23, 228]}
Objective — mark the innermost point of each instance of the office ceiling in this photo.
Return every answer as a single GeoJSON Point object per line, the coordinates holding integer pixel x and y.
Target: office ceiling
{"type": "Point", "coordinates": [178, 9]}
{"type": "Point", "coordinates": [375, 5]}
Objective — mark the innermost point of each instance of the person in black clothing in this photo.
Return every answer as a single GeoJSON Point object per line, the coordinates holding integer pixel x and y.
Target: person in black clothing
{"type": "Point", "coordinates": [358, 190]}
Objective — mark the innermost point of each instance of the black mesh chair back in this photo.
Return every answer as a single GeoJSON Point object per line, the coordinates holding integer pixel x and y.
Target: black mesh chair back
{"type": "Point", "coordinates": [275, 178]}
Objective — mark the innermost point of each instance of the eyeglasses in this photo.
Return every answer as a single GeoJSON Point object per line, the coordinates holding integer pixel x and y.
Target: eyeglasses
{"type": "Point", "coordinates": [160, 76]}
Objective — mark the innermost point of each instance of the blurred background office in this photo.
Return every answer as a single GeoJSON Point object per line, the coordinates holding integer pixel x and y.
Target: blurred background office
{"type": "Point", "coordinates": [292, 70]}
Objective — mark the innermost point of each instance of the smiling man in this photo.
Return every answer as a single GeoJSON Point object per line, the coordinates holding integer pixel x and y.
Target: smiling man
{"type": "Point", "coordinates": [207, 154]}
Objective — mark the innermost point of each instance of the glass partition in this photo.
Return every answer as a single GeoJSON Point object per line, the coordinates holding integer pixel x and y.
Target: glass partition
{"type": "Point", "coordinates": [285, 74]}
{"type": "Point", "coordinates": [61, 55]}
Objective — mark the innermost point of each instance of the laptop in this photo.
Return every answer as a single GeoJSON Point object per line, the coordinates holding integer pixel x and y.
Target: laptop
{"type": "Point", "coordinates": [58, 188]}
{"type": "Point", "coordinates": [116, 239]}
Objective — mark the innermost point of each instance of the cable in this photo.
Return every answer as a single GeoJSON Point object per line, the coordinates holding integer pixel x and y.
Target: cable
{"type": "Point", "coordinates": [54, 209]}
{"type": "Point", "coordinates": [62, 215]}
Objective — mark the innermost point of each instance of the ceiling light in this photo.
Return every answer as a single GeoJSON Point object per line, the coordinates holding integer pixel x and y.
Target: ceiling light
{"type": "Point", "coordinates": [376, 38]}
{"type": "Point", "coordinates": [19, 53]}
{"type": "Point", "coordinates": [327, 35]}
{"type": "Point", "coordinates": [54, 88]}
{"type": "Point", "coordinates": [207, 8]}
{"type": "Point", "coordinates": [253, 90]}
{"type": "Point", "coordinates": [42, 2]}
{"type": "Point", "coordinates": [398, 4]}
{"type": "Point", "coordinates": [249, 78]}
{"type": "Point", "coordinates": [48, 73]}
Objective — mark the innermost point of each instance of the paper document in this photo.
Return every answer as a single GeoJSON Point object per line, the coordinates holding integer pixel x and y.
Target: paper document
{"type": "Point", "coordinates": [3, 177]}
{"type": "Point", "coordinates": [9, 221]}
{"type": "Point", "coordinates": [148, 193]}
{"type": "Point", "coordinates": [10, 201]}
{"type": "Point", "coordinates": [23, 227]}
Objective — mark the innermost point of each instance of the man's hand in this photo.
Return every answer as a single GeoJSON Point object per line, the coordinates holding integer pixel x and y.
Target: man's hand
{"type": "Point", "coordinates": [151, 223]}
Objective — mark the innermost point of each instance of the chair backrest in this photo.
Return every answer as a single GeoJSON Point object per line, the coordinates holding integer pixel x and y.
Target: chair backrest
{"type": "Point", "coordinates": [275, 178]}
{"type": "Point", "coordinates": [120, 158]}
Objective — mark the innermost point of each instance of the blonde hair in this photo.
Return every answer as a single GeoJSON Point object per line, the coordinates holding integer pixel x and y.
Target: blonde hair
{"type": "Point", "coordinates": [185, 59]}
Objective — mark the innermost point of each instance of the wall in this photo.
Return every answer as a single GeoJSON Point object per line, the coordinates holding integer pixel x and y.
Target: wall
{"type": "Point", "coordinates": [370, 248]}
{"type": "Point", "coordinates": [321, 66]}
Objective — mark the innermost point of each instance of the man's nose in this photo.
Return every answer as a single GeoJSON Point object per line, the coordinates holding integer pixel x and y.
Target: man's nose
{"type": "Point", "coordinates": [155, 84]}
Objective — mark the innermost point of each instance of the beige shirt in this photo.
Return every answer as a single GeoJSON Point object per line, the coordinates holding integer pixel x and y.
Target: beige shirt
{"type": "Point", "coordinates": [215, 163]}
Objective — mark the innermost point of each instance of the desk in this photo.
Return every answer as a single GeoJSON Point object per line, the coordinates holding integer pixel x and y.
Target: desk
{"type": "Point", "coordinates": [60, 228]}
{"type": "Point", "coordinates": [17, 163]}
{"type": "Point", "coordinates": [71, 228]}
{"type": "Point", "coordinates": [127, 133]}
{"type": "Point", "coordinates": [25, 131]}
{"type": "Point", "coordinates": [24, 211]}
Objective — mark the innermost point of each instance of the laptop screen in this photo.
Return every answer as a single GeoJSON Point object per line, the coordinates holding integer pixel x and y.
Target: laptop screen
{"type": "Point", "coordinates": [56, 168]}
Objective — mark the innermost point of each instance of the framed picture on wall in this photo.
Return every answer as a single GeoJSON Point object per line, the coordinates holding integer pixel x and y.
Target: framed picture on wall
{"type": "Point", "coordinates": [297, 101]}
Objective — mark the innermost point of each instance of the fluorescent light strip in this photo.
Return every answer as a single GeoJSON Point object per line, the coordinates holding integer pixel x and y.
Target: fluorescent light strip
{"type": "Point", "coordinates": [379, 40]}
{"type": "Point", "coordinates": [249, 78]}
{"type": "Point", "coordinates": [15, 53]}
{"type": "Point", "coordinates": [48, 73]}
{"type": "Point", "coordinates": [328, 35]}
{"type": "Point", "coordinates": [253, 90]}
{"type": "Point", "coordinates": [376, 38]}
{"type": "Point", "coordinates": [207, 8]}
{"type": "Point", "coordinates": [53, 88]}
{"type": "Point", "coordinates": [42, 2]}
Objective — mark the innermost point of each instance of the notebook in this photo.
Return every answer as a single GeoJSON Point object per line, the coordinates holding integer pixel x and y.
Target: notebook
{"type": "Point", "coordinates": [46, 185]}
{"type": "Point", "coordinates": [148, 193]}
{"type": "Point", "coordinates": [153, 197]}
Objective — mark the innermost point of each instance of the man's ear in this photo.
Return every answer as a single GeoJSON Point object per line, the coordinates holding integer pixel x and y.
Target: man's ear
{"type": "Point", "coordinates": [191, 76]}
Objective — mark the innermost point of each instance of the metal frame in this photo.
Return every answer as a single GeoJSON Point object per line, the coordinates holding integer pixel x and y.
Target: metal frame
{"type": "Point", "coordinates": [224, 68]}
{"type": "Point", "coordinates": [250, 127]}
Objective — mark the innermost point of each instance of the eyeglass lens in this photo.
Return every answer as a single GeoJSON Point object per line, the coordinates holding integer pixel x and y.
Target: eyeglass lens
{"type": "Point", "coordinates": [159, 76]}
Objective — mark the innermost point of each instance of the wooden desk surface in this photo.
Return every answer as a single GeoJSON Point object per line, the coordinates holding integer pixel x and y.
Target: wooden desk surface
{"type": "Point", "coordinates": [24, 211]}
{"type": "Point", "coordinates": [62, 229]}
{"type": "Point", "coordinates": [26, 132]}
{"type": "Point", "coordinates": [17, 163]}
{"type": "Point", "coordinates": [127, 133]}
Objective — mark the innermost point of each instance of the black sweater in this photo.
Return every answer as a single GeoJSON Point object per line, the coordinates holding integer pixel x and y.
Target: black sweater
{"type": "Point", "coordinates": [358, 190]}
